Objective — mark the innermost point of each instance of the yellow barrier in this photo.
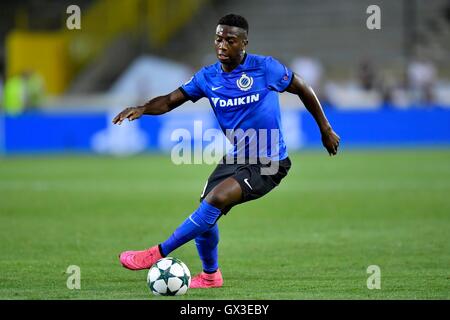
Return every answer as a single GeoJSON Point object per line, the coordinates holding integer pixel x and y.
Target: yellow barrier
{"type": "Point", "coordinates": [166, 17]}
{"type": "Point", "coordinates": [44, 53]}
{"type": "Point", "coordinates": [103, 21]}
{"type": "Point", "coordinates": [57, 56]}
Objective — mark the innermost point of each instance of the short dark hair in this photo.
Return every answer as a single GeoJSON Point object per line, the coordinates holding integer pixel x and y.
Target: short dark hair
{"type": "Point", "coordinates": [234, 20]}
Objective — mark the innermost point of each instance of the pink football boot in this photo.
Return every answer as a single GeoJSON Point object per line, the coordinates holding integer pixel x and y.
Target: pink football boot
{"type": "Point", "coordinates": [138, 260]}
{"type": "Point", "coordinates": [207, 280]}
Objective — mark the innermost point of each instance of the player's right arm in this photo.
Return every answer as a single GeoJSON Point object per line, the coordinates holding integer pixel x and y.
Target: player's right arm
{"type": "Point", "coordinates": [155, 106]}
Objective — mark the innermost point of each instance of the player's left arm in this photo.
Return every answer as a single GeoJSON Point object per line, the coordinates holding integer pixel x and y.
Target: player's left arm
{"type": "Point", "coordinates": [330, 139]}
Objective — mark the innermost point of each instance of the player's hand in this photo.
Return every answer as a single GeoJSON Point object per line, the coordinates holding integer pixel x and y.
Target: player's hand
{"type": "Point", "coordinates": [131, 113]}
{"type": "Point", "coordinates": [330, 141]}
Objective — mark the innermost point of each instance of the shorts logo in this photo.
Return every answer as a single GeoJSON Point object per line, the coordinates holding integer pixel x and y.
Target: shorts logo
{"type": "Point", "coordinates": [244, 82]}
{"type": "Point", "coordinates": [247, 183]}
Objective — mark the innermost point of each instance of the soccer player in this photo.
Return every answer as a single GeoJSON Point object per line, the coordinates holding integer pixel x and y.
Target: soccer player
{"type": "Point", "coordinates": [243, 92]}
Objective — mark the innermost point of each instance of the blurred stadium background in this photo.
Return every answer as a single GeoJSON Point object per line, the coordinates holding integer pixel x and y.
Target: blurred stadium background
{"type": "Point", "coordinates": [384, 87]}
{"type": "Point", "coordinates": [383, 200]}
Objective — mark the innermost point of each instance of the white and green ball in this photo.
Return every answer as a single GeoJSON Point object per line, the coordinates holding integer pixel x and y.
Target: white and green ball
{"type": "Point", "coordinates": [169, 277]}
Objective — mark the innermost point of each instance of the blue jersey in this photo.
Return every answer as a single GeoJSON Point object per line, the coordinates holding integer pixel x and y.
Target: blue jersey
{"type": "Point", "coordinates": [245, 102]}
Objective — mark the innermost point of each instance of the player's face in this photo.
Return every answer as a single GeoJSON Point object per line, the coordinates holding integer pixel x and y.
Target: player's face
{"type": "Point", "coordinates": [230, 44]}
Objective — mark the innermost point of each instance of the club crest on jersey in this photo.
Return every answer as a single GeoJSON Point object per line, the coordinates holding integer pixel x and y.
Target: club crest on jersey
{"type": "Point", "coordinates": [244, 82]}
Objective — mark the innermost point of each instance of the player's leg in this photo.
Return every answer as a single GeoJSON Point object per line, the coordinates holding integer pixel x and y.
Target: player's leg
{"type": "Point", "coordinates": [207, 246]}
{"type": "Point", "coordinates": [224, 195]}
{"type": "Point", "coordinates": [253, 185]}
{"type": "Point", "coordinates": [207, 243]}
{"type": "Point", "coordinates": [246, 184]}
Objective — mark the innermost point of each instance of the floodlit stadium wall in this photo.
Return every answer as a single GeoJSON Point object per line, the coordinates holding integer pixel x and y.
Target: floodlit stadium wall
{"type": "Point", "coordinates": [43, 132]}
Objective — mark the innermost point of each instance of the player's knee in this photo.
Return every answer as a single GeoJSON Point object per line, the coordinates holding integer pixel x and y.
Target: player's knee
{"type": "Point", "coordinates": [217, 199]}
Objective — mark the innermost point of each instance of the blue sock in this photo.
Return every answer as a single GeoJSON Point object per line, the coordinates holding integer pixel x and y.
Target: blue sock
{"type": "Point", "coordinates": [207, 245]}
{"type": "Point", "coordinates": [197, 223]}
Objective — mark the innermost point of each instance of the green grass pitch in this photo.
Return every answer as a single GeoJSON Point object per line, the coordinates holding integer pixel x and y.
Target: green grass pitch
{"type": "Point", "coordinates": [313, 237]}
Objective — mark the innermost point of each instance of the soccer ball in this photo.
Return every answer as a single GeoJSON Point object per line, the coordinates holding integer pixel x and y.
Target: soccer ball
{"type": "Point", "coordinates": [169, 277]}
